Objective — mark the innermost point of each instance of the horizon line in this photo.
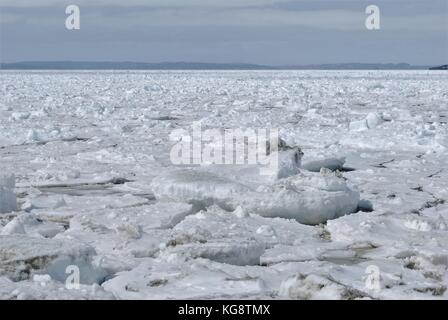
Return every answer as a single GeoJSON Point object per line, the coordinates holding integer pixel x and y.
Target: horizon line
{"type": "Point", "coordinates": [184, 65]}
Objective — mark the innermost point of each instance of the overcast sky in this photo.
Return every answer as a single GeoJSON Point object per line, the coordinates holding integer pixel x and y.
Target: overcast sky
{"type": "Point", "coordinates": [274, 32]}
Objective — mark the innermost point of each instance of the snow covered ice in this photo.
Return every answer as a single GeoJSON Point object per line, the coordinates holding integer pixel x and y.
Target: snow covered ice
{"type": "Point", "coordinates": [309, 199]}
{"type": "Point", "coordinates": [360, 194]}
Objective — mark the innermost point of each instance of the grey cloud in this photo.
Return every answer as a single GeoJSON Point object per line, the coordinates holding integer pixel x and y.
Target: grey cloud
{"type": "Point", "coordinates": [269, 32]}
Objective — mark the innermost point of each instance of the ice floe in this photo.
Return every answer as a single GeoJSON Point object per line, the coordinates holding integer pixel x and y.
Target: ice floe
{"type": "Point", "coordinates": [307, 197]}
{"type": "Point", "coordinates": [19, 259]}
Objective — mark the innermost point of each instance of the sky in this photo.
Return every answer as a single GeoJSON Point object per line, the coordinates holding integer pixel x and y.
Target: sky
{"type": "Point", "coordinates": [269, 32]}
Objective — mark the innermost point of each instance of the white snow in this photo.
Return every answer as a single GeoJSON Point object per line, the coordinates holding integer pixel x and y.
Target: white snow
{"type": "Point", "coordinates": [86, 180]}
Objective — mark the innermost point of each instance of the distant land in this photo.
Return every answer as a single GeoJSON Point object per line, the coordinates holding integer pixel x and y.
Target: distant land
{"type": "Point", "coordinates": [444, 67]}
{"type": "Point", "coordinates": [91, 65]}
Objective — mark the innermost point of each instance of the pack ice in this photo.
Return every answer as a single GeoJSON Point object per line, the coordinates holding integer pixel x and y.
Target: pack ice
{"type": "Point", "coordinates": [360, 212]}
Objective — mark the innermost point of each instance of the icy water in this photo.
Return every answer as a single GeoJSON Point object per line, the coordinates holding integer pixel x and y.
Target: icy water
{"type": "Point", "coordinates": [95, 187]}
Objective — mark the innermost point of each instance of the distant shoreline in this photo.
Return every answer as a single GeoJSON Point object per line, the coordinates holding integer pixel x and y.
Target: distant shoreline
{"type": "Point", "coordinates": [186, 66]}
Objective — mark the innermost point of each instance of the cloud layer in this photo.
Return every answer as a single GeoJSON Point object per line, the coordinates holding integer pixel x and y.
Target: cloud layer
{"type": "Point", "coordinates": [255, 31]}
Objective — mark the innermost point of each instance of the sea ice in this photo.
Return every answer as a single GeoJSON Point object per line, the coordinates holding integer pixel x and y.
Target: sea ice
{"type": "Point", "coordinates": [96, 187]}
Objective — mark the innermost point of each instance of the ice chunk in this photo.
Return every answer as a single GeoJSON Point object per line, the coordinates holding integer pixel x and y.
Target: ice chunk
{"type": "Point", "coordinates": [44, 202]}
{"type": "Point", "coordinates": [289, 163]}
{"type": "Point", "coordinates": [222, 236]}
{"type": "Point", "coordinates": [129, 232]}
{"type": "Point", "coordinates": [45, 288]}
{"type": "Point", "coordinates": [310, 198]}
{"type": "Point", "coordinates": [28, 223]}
{"type": "Point", "coordinates": [13, 227]}
{"type": "Point", "coordinates": [371, 121]}
{"type": "Point", "coordinates": [192, 279]}
{"type": "Point", "coordinates": [22, 256]}
{"type": "Point", "coordinates": [359, 125]}
{"type": "Point", "coordinates": [32, 136]}
{"type": "Point", "coordinates": [330, 163]}
{"type": "Point", "coordinates": [311, 287]}
{"type": "Point", "coordinates": [8, 202]}
{"type": "Point", "coordinates": [160, 215]}
{"type": "Point", "coordinates": [196, 186]}
{"type": "Point", "coordinates": [15, 116]}
{"type": "Point", "coordinates": [240, 252]}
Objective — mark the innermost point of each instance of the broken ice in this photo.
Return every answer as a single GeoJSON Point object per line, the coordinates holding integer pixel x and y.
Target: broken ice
{"type": "Point", "coordinates": [86, 180]}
